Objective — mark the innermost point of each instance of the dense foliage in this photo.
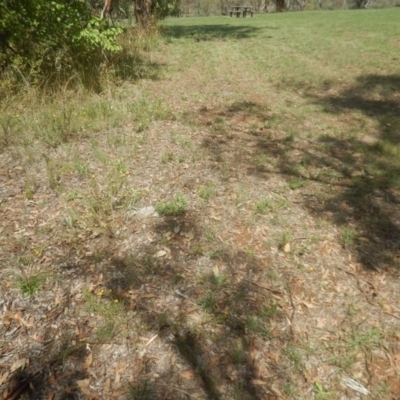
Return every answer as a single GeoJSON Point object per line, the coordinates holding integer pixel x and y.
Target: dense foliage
{"type": "Point", "coordinates": [38, 37]}
{"type": "Point", "coordinates": [218, 7]}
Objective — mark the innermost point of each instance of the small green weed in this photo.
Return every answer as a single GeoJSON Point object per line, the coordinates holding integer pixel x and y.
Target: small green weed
{"type": "Point", "coordinates": [209, 302]}
{"type": "Point", "coordinates": [105, 332]}
{"type": "Point", "coordinates": [238, 352]}
{"type": "Point", "coordinates": [207, 192]}
{"type": "Point", "coordinates": [348, 236]}
{"type": "Point", "coordinates": [150, 264]}
{"type": "Point", "coordinates": [71, 218]}
{"type": "Point", "coordinates": [289, 139]}
{"type": "Point", "coordinates": [270, 309]}
{"type": "Point", "coordinates": [240, 393]}
{"type": "Point", "coordinates": [281, 203]}
{"type": "Point", "coordinates": [284, 240]}
{"type": "Point", "coordinates": [250, 252]}
{"type": "Point", "coordinates": [104, 304]}
{"type": "Point", "coordinates": [263, 206]}
{"type": "Point", "coordinates": [25, 260]}
{"type": "Point", "coordinates": [210, 235]}
{"type": "Point", "coordinates": [177, 206]}
{"type": "Point", "coordinates": [215, 279]}
{"type": "Point", "coordinates": [290, 389]}
{"type": "Point", "coordinates": [254, 324]}
{"type": "Point", "coordinates": [142, 391]}
{"type": "Point", "coordinates": [52, 174]}
{"type": "Point", "coordinates": [321, 393]}
{"type": "Point", "coordinates": [294, 356]}
{"type": "Point", "coordinates": [181, 140]}
{"type": "Point", "coordinates": [197, 249]}
{"type": "Point", "coordinates": [367, 340]}
{"type": "Point", "coordinates": [31, 284]}
{"type": "Point", "coordinates": [384, 388]}
{"type": "Point", "coordinates": [352, 308]}
{"type": "Point", "coordinates": [31, 186]}
{"type": "Point", "coordinates": [58, 127]}
{"type": "Point", "coordinates": [296, 183]}
{"type": "Point", "coordinates": [74, 195]}
{"type": "Point", "coordinates": [81, 168]}
{"type": "Point", "coordinates": [219, 252]}
{"type": "Point", "coordinates": [167, 157]}
{"type": "Point", "coordinates": [262, 159]}
{"type": "Point", "coordinates": [121, 167]}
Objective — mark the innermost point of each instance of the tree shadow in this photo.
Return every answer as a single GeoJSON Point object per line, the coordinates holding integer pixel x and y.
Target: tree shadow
{"type": "Point", "coordinates": [376, 96]}
{"type": "Point", "coordinates": [235, 309]}
{"type": "Point", "coordinates": [359, 176]}
{"type": "Point", "coordinates": [52, 367]}
{"type": "Point", "coordinates": [212, 32]}
{"type": "Point", "coordinates": [135, 66]}
{"type": "Point", "coordinates": [371, 163]}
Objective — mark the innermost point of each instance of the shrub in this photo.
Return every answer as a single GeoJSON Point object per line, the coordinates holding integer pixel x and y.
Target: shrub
{"type": "Point", "coordinates": [45, 39]}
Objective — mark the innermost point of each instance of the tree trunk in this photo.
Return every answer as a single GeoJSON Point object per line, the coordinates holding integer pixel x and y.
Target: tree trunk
{"type": "Point", "coordinates": [280, 5]}
{"type": "Point", "coordinates": [143, 13]}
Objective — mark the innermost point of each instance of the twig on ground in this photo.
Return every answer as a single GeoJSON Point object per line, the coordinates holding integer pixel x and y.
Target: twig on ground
{"type": "Point", "coordinates": [392, 315]}
{"type": "Point", "coordinates": [179, 390]}
{"type": "Point", "coordinates": [151, 340]}
{"type": "Point", "coordinates": [366, 296]}
{"type": "Point", "coordinates": [275, 291]}
{"type": "Point", "coordinates": [293, 312]}
{"type": "Point", "coordinates": [19, 390]}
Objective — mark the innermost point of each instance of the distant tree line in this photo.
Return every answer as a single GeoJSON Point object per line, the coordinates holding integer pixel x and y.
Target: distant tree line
{"type": "Point", "coordinates": [218, 7]}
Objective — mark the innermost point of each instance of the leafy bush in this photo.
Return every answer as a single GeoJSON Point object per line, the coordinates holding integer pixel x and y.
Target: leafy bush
{"type": "Point", "coordinates": [42, 38]}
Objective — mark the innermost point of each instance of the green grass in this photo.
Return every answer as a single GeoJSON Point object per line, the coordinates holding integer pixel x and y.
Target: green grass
{"type": "Point", "coordinates": [177, 206]}
{"type": "Point", "coordinates": [31, 283]}
{"type": "Point", "coordinates": [320, 393]}
{"type": "Point", "coordinates": [263, 206]}
{"type": "Point", "coordinates": [296, 183]}
{"type": "Point", "coordinates": [209, 301]}
{"type": "Point", "coordinates": [141, 391]}
{"type": "Point", "coordinates": [208, 191]}
{"type": "Point", "coordinates": [238, 352]}
{"type": "Point", "coordinates": [348, 236]}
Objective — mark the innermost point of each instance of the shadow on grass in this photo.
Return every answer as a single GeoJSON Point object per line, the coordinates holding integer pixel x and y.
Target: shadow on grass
{"type": "Point", "coordinates": [372, 166]}
{"type": "Point", "coordinates": [213, 322]}
{"type": "Point", "coordinates": [212, 32]}
{"type": "Point", "coordinates": [356, 175]}
{"type": "Point", "coordinates": [134, 66]}
{"type": "Point", "coordinates": [50, 367]}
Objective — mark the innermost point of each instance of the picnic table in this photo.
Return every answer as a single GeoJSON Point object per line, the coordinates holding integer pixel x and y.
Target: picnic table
{"type": "Point", "coordinates": [241, 11]}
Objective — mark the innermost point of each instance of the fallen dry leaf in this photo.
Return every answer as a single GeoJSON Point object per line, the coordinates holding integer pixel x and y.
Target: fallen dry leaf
{"type": "Point", "coordinates": [88, 361]}
{"type": "Point", "coordinates": [161, 253]}
{"type": "Point", "coordinates": [50, 396]}
{"type": "Point", "coordinates": [84, 386]}
{"type": "Point", "coordinates": [272, 356]}
{"type": "Point", "coordinates": [286, 248]}
{"type": "Point", "coordinates": [107, 386]}
{"type": "Point", "coordinates": [307, 304]}
{"type": "Point", "coordinates": [3, 378]}
{"type": "Point", "coordinates": [117, 379]}
{"type": "Point", "coordinates": [258, 382]}
{"type": "Point", "coordinates": [187, 374]}
{"type": "Point", "coordinates": [19, 364]}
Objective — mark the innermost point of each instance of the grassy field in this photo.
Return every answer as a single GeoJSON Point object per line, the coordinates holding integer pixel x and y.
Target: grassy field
{"type": "Point", "coordinates": [218, 220]}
